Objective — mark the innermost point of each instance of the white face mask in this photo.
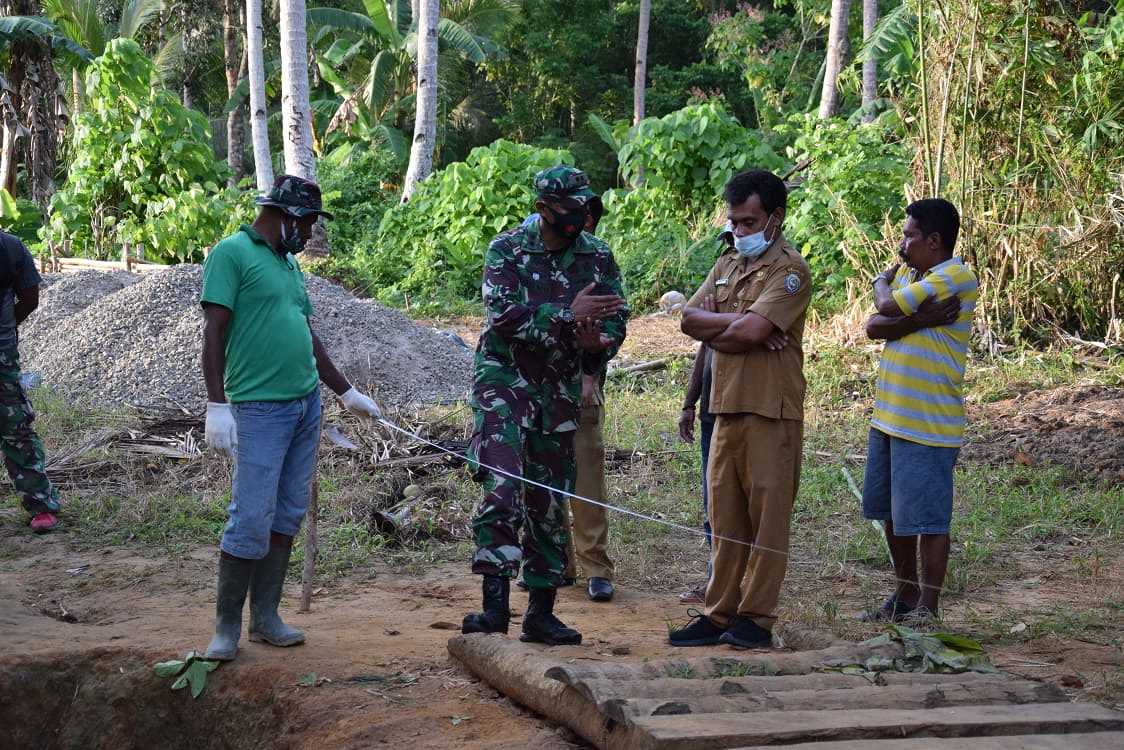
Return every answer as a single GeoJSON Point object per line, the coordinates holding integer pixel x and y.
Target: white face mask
{"type": "Point", "coordinates": [753, 245]}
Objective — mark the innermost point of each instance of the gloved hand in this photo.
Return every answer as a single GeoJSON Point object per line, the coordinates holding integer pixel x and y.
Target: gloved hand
{"type": "Point", "coordinates": [358, 403]}
{"type": "Point", "coordinates": [221, 431]}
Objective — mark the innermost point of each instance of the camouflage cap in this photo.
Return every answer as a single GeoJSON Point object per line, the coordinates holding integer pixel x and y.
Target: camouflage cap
{"type": "Point", "coordinates": [295, 196]}
{"type": "Point", "coordinates": [564, 181]}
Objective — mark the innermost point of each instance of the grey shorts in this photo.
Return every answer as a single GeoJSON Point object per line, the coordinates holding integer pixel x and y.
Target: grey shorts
{"type": "Point", "coordinates": [908, 483]}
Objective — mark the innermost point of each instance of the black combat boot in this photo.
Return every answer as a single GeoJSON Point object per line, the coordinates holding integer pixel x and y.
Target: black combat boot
{"type": "Point", "coordinates": [541, 626]}
{"type": "Point", "coordinates": [497, 608]}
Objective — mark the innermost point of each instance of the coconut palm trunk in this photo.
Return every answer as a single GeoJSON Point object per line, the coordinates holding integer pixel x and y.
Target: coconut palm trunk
{"type": "Point", "coordinates": [425, 117]}
{"type": "Point", "coordinates": [870, 64]}
{"type": "Point", "coordinates": [296, 115]}
{"type": "Point", "coordinates": [640, 82]}
{"type": "Point", "coordinates": [234, 63]}
{"type": "Point", "coordinates": [255, 66]}
{"type": "Point", "coordinates": [836, 51]}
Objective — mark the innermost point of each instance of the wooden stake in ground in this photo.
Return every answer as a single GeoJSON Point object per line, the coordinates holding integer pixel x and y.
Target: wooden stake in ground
{"type": "Point", "coordinates": [311, 543]}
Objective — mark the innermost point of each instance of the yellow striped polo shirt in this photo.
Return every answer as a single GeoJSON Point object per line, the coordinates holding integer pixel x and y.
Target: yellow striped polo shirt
{"type": "Point", "coordinates": [920, 393]}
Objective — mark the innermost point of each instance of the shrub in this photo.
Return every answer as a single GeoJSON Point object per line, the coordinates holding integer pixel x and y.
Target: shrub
{"type": "Point", "coordinates": [856, 179]}
{"type": "Point", "coordinates": [144, 171]}
{"type": "Point", "coordinates": [431, 249]}
{"type": "Point", "coordinates": [691, 153]}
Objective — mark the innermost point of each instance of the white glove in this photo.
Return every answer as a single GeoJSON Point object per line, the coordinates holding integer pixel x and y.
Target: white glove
{"type": "Point", "coordinates": [221, 431]}
{"type": "Point", "coordinates": [358, 403]}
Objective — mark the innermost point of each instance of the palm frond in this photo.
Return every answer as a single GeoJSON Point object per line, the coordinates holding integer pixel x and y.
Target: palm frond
{"type": "Point", "coordinates": [135, 15]}
{"type": "Point", "coordinates": [379, 86]}
{"type": "Point", "coordinates": [459, 39]}
{"type": "Point", "coordinates": [605, 131]}
{"type": "Point", "coordinates": [169, 60]}
{"type": "Point", "coordinates": [394, 140]}
{"type": "Point", "coordinates": [898, 24]}
{"type": "Point", "coordinates": [79, 19]}
{"type": "Point", "coordinates": [401, 15]}
{"type": "Point", "coordinates": [21, 28]}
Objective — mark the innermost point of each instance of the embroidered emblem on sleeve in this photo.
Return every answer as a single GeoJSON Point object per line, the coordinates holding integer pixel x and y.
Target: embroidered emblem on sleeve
{"type": "Point", "coordinates": [792, 283]}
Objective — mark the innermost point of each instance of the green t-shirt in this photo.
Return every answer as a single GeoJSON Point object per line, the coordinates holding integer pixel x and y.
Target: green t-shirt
{"type": "Point", "coordinates": [268, 341]}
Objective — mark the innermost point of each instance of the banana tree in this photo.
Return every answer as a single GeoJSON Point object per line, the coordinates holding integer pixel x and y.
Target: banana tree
{"type": "Point", "coordinates": [368, 58]}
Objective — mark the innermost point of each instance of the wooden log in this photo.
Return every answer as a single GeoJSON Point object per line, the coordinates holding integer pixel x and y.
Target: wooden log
{"type": "Point", "coordinates": [712, 731]}
{"type": "Point", "coordinates": [871, 696]}
{"type": "Point", "coordinates": [1090, 741]}
{"type": "Point", "coordinates": [516, 670]}
{"type": "Point", "coordinates": [670, 688]}
{"type": "Point", "coordinates": [759, 664]}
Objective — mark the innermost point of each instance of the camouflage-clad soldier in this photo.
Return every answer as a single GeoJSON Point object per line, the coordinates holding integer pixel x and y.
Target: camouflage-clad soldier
{"type": "Point", "coordinates": [555, 309]}
{"type": "Point", "coordinates": [23, 451]}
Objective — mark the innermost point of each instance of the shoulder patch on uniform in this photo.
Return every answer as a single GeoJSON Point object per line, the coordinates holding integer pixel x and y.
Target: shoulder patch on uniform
{"type": "Point", "coordinates": [792, 283]}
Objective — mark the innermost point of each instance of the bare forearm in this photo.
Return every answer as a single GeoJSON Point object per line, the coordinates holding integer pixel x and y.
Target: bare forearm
{"type": "Point", "coordinates": [704, 326]}
{"type": "Point", "coordinates": [694, 385]}
{"type": "Point", "coordinates": [327, 369]}
{"type": "Point", "coordinates": [214, 365]}
{"type": "Point", "coordinates": [891, 328]}
{"type": "Point", "coordinates": [884, 299]}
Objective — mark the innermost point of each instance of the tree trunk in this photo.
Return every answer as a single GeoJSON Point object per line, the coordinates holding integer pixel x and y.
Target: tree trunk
{"type": "Point", "coordinates": [78, 84]}
{"type": "Point", "coordinates": [836, 49]}
{"type": "Point", "coordinates": [234, 62]}
{"type": "Point", "coordinates": [425, 117]}
{"type": "Point", "coordinates": [259, 130]}
{"type": "Point", "coordinates": [870, 65]}
{"type": "Point", "coordinates": [8, 161]}
{"type": "Point", "coordinates": [40, 97]}
{"type": "Point", "coordinates": [296, 115]}
{"type": "Point", "coordinates": [640, 82]}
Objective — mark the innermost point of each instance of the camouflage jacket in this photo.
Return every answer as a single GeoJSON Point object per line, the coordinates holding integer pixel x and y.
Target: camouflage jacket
{"type": "Point", "coordinates": [528, 366]}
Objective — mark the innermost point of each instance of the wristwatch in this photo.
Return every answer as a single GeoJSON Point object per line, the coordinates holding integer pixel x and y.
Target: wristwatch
{"type": "Point", "coordinates": [566, 315]}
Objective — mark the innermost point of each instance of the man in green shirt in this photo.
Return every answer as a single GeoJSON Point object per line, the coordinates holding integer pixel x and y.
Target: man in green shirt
{"type": "Point", "coordinates": [262, 364]}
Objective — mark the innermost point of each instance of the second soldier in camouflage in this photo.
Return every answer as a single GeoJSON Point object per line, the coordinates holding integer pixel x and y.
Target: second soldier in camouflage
{"type": "Point", "coordinates": [555, 308]}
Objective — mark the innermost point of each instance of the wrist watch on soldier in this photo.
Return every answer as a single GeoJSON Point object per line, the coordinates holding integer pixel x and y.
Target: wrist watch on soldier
{"type": "Point", "coordinates": [566, 315]}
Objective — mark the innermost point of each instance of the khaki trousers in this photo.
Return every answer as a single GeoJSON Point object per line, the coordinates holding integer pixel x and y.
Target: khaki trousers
{"type": "Point", "coordinates": [752, 478]}
{"type": "Point", "coordinates": [589, 529]}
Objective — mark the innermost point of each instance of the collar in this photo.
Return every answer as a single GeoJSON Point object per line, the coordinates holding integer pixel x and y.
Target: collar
{"type": "Point", "coordinates": [953, 261]}
{"type": "Point", "coordinates": [253, 235]}
{"type": "Point", "coordinates": [532, 240]}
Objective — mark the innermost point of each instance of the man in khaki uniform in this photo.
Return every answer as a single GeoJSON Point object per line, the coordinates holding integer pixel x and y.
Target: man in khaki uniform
{"type": "Point", "coordinates": [589, 532]}
{"type": "Point", "coordinates": [750, 312]}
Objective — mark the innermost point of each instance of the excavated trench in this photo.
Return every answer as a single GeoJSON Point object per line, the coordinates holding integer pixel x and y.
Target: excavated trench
{"type": "Point", "coordinates": [110, 698]}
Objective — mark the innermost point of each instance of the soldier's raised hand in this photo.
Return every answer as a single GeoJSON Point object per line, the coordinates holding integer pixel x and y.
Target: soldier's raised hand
{"type": "Point", "coordinates": [589, 306]}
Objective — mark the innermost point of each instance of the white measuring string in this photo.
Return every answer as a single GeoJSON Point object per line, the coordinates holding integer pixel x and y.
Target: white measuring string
{"type": "Point", "coordinates": [643, 516]}
{"type": "Point", "coordinates": [608, 506]}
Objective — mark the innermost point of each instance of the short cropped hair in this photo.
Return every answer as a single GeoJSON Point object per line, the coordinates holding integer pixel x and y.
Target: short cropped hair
{"type": "Point", "coordinates": [768, 188]}
{"type": "Point", "coordinates": [936, 216]}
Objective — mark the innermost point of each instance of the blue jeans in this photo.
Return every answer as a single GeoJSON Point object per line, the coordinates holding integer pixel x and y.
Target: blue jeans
{"type": "Point", "coordinates": [908, 483]}
{"type": "Point", "coordinates": [274, 466]}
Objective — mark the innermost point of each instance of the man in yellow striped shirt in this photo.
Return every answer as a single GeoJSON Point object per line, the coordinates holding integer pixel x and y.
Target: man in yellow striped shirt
{"type": "Point", "coordinates": [925, 310]}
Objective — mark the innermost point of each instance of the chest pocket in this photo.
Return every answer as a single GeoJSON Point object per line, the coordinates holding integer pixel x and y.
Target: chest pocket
{"type": "Point", "coordinates": [751, 288]}
{"type": "Point", "coordinates": [536, 279]}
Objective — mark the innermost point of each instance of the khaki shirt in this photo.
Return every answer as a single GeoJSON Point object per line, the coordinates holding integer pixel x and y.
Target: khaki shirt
{"type": "Point", "coordinates": [778, 287]}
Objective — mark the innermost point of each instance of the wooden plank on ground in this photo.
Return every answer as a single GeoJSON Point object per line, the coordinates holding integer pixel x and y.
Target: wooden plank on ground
{"type": "Point", "coordinates": [599, 691]}
{"type": "Point", "coordinates": [910, 697]}
{"type": "Point", "coordinates": [749, 664]}
{"type": "Point", "coordinates": [1091, 741]}
{"type": "Point", "coordinates": [712, 731]}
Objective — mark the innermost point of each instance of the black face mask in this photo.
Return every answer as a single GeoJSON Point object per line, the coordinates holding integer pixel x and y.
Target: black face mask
{"type": "Point", "coordinates": [291, 241]}
{"type": "Point", "coordinates": [569, 225]}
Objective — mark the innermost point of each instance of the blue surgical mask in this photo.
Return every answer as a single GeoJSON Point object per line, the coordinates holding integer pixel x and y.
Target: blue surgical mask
{"type": "Point", "coordinates": [752, 246]}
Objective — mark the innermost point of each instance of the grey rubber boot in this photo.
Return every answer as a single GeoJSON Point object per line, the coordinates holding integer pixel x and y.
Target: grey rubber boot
{"type": "Point", "coordinates": [234, 581]}
{"type": "Point", "coordinates": [265, 594]}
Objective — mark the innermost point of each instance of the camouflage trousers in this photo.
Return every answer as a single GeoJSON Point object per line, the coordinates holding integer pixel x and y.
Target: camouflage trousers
{"type": "Point", "coordinates": [510, 506]}
{"type": "Point", "coordinates": [23, 452]}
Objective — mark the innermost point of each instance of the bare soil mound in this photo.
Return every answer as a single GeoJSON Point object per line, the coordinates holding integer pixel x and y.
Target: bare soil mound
{"type": "Point", "coordinates": [1079, 427]}
{"type": "Point", "coordinates": [117, 338]}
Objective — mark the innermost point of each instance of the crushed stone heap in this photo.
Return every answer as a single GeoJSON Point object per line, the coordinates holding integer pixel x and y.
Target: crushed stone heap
{"type": "Point", "coordinates": [112, 338]}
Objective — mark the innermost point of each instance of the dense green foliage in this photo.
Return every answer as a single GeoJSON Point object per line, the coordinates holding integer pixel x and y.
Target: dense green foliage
{"type": "Point", "coordinates": [432, 248]}
{"type": "Point", "coordinates": [143, 171]}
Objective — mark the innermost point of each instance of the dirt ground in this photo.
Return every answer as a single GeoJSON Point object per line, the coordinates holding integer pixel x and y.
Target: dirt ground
{"type": "Point", "coordinates": [1079, 427]}
{"type": "Point", "coordinates": [81, 628]}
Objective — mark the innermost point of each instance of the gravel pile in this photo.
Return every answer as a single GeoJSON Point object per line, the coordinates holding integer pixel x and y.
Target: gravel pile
{"type": "Point", "coordinates": [118, 338]}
